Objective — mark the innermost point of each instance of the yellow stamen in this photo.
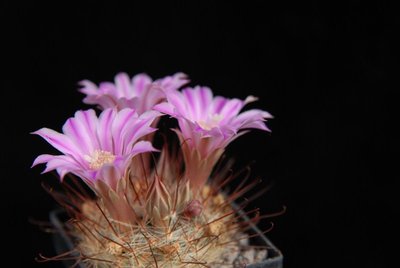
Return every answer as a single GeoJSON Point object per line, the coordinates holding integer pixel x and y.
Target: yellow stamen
{"type": "Point", "coordinates": [99, 158]}
{"type": "Point", "coordinates": [211, 122]}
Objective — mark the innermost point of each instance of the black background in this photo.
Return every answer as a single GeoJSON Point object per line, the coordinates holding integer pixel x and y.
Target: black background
{"type": "Point", "coordinates": [323, 69]}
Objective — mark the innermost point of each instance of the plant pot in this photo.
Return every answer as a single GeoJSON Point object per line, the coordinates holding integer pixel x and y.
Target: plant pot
{"type": "Point", "coordinates": [62, 242]}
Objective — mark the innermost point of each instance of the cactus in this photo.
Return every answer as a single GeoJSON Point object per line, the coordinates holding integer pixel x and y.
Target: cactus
{"type": "Point", "coordinates": [166, 209]}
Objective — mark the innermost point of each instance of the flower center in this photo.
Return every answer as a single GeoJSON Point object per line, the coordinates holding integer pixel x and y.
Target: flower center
{"type": "Point", "coordinates": [211, 122]}
{"type": "Point", "coordinates": [99, 158]}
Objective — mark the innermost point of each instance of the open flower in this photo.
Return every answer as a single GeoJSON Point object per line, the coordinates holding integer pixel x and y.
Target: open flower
{"type": "Point", "coordinates": [201, 116]}
{"type": "Point", "coordinates": [140, 93]}
{"type": "Point", "coordinates": [207, 125]}
{"type": "Point", "coordinates": [98, 148]}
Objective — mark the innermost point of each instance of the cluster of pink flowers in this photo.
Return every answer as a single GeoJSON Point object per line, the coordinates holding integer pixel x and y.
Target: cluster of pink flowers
{"type": "Point", "coordinates": [102, 147]}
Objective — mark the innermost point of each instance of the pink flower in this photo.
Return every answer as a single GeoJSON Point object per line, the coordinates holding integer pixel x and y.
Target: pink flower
{"type": "Point", "coordinates": [139, 93]}
{"type": "Point", "coordinates": [207, 125]}
{"type": "Point", "coordinates": [202, 116]}
{"type": "Point", "coordinates": [98, 148]}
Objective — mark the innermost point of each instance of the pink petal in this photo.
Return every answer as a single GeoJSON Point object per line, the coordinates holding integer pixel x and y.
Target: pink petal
{"type": "Point", "coordinates": [219, 103]}
{"type": "Point", "coordinates": [88, 87]}
{"type": "Point", "coordinates": [142, 147]}
{"type": "Point", "coordinates": [252, 119]}
{"type": "Point", "coordinates": [44, 158]}
{"type": "Point", "coordinates": [104, 101]}
{"type": "Point", "coordinates": [206, 98]}
{"type": "Point", "coordinates": [110, 175]}
{"type": "Point", "coordinates": [62, 162]}
{"type": "Point", "coordinates": [89, 121]}
{"type": "Point", "coordinates": [123, 85]}
{"type": "Point", "coordinates": [166, 108]}
{"type": "Point", "coordinates": [181, 106]}
{"type": "Point", "coordinates": [194, 105]}
{"type": "Point", "coordinates": [139, 128]}
{"type": "Point", "coordinates": [59, 141]}
{"type": "Point", "coordinates": [81, 130]}
{"type": "Point", "coordinates": [231, 108]}
{"type": "Point", "coordinates": [108, 88]}
{"type": "Point", "coordinates": [250, 99]}
{"type": "Point", "coordinates": [118, 128]}
{"type": "Point", "coordinates": [172, 83]}
{"type": "Point", "coordinates": [140, 82]}
{"type": "Point", "coordinates": [103, 130]}
{"type": "Point", "coordinates": [123, 103]}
